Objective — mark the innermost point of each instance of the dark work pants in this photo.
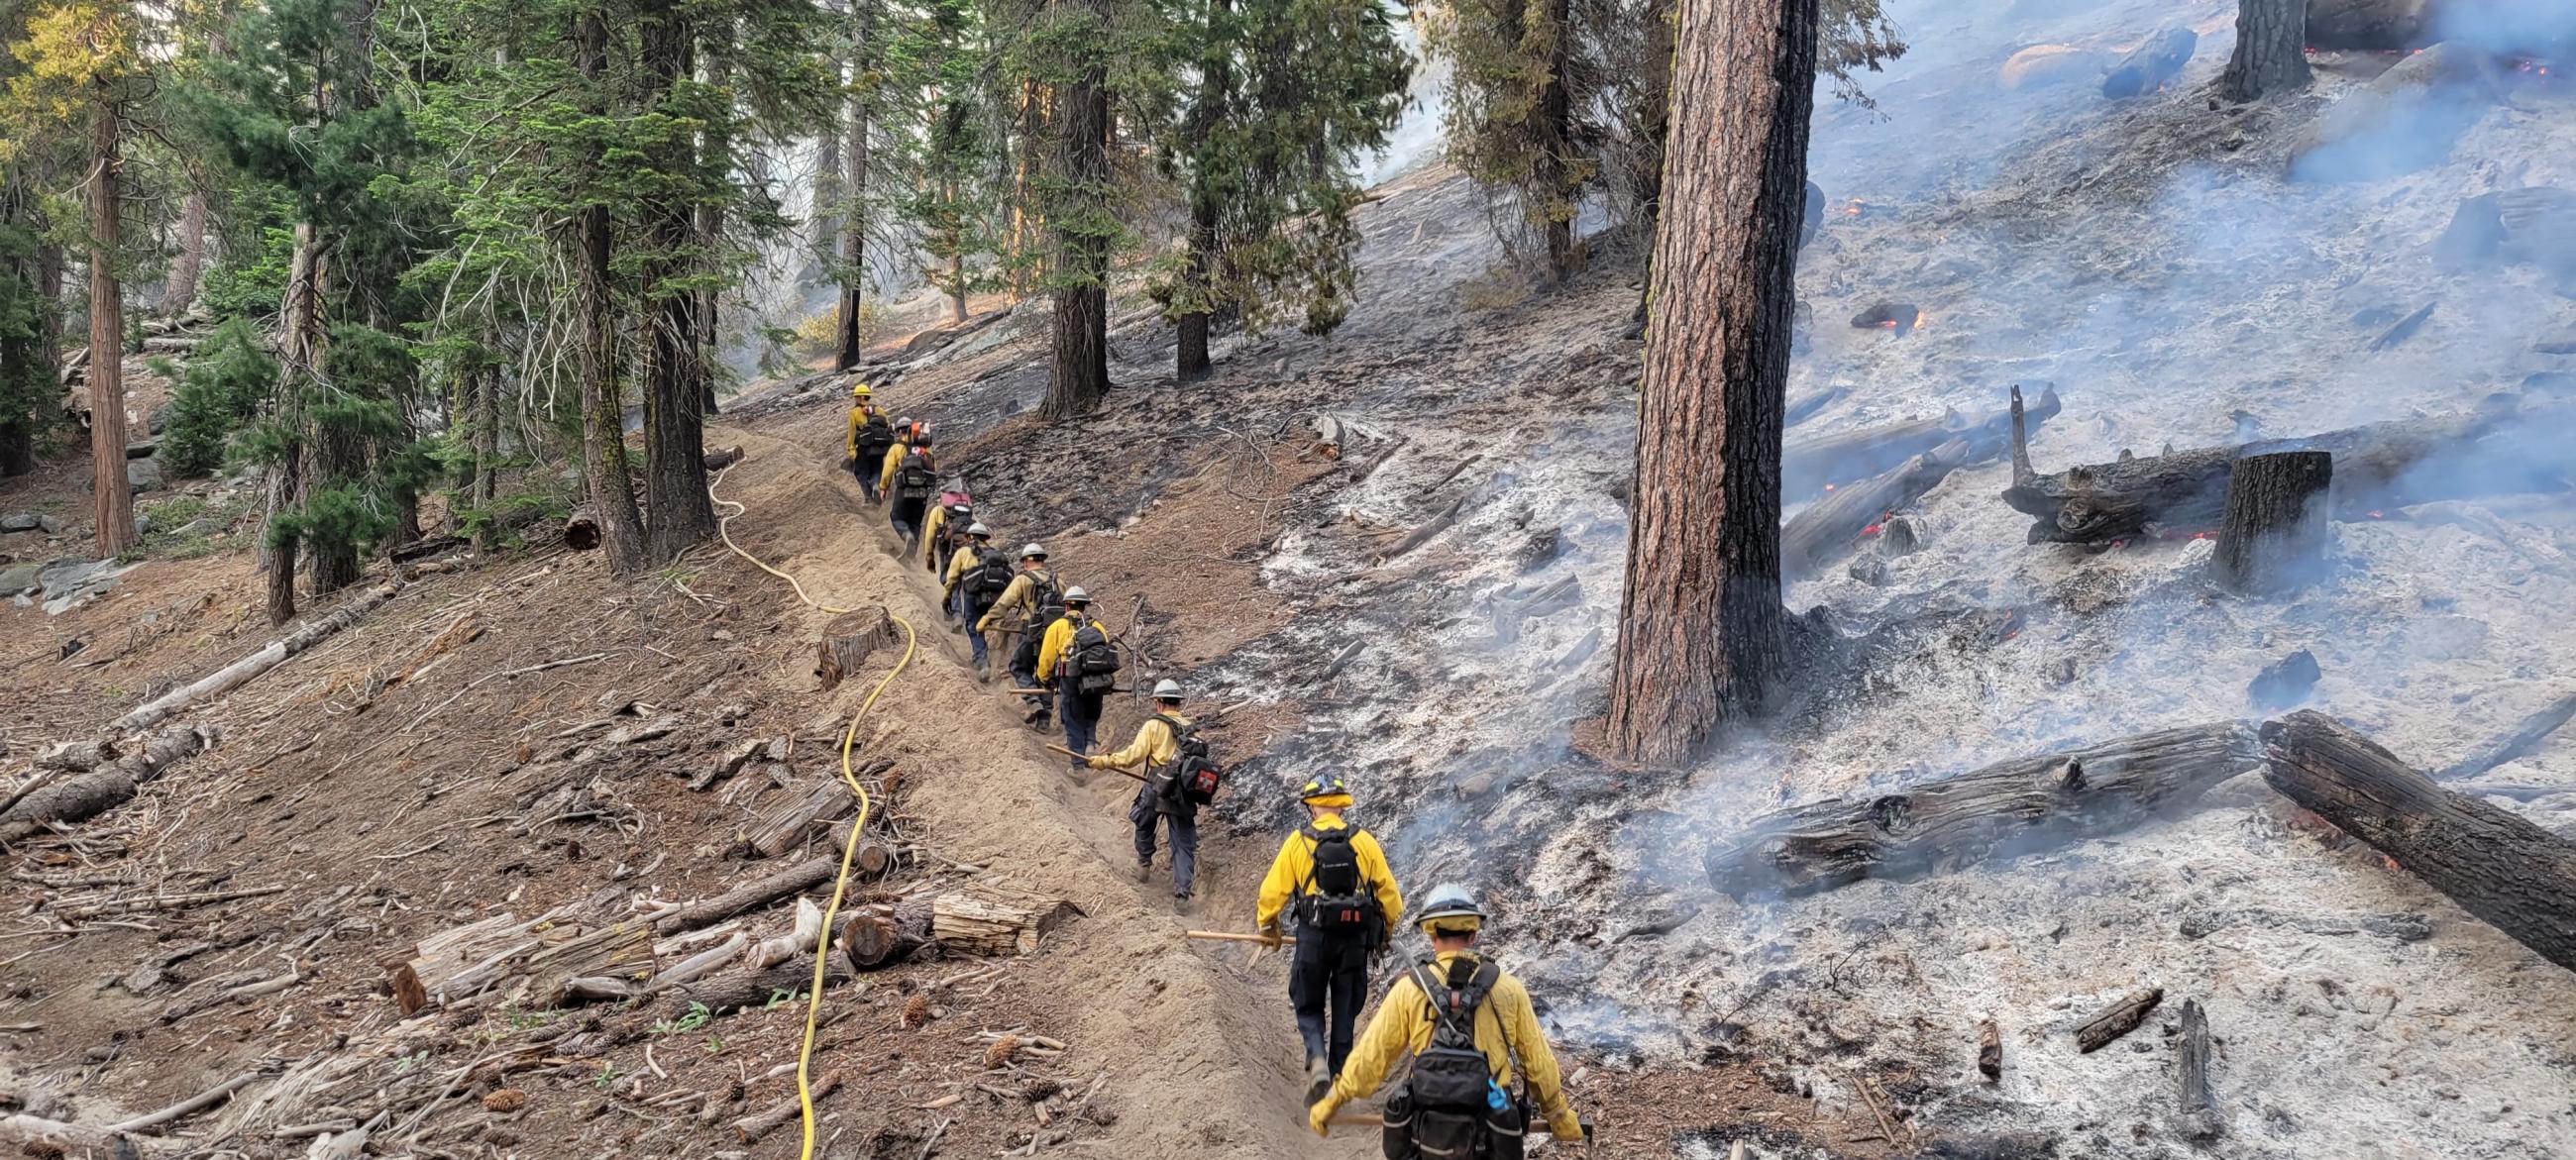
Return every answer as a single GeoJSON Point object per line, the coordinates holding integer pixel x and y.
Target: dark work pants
{"type": "Point", "coordinates": [968, 614]}
{"type": "Point", "coordinates": [1081, 717]}
{"type": "Point", "coordinates": [1149, 816]}
{"type": "Point", "coordinates": [905, 514]}
{"type": "Point", "coordinates": [1024, 675]}
{"type": "Point", "coordinates": [1328, 979]}
{"type": "Point", "coordinates": [867, 477]}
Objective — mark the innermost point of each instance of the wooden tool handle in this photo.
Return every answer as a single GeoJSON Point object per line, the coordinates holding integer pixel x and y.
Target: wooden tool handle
{"type": "Point", "coordinates": [1357, 1120]}
{"type": "Point", "coordinates": [1230, 936]}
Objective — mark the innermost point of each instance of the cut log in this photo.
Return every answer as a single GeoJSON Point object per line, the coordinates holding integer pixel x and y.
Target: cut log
{"type": "Point", "coordinates": [2147, 67]}
{"type": "Point", "coordinates": [581, 530]}
{"type": "Point", "coordinates": [723, 457]}
{"type": "Point", "coordinates": [801, 877]}
{"type": "Point", "coordinates": [848, 641]}
{"type": "Point", "coordinates": [883, 934]}
{"type": "Point", "coordinates": [2497, 866]}
{"type": "Point", "coordinates": [1824, 530]}
{"type": "Point", "coordinates": [76, 798]}
{"type": "Point", "coordinates": [787, 824]}
{"type": "Point", "coordinates": [754, 989]}
{"type": "Point", "coordinates": [1808, 465]}
{"type": "Point", "coordinates": [2002, 810]}
{"type": "Point", "coordinates": [249, 668]}
{"type": "Point", "coordinates": [2272, 537]}
{"type": "Point", "coordinates": [980, 918]}
{"type": "Point", "coordinates": [1990, 1051]}
{"type": "Point", "coordinates": [2522, 740]}
{"type": "Point", "coordinates": [2197, 1118]}
{"type": "Point", "coordinates": [2381, 465]}
{"type": "Point", "coordinates": [2370, 25]}
{"type": "Point", "coordinates": [2117, 1020]}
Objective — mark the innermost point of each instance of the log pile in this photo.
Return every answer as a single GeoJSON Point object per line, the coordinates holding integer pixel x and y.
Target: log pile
{"type": "Point", "coordinates": [2002, 810]}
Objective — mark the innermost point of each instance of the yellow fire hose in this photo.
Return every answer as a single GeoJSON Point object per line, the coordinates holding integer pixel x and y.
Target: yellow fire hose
{"type": "Point", "coordinates": [840, 882]}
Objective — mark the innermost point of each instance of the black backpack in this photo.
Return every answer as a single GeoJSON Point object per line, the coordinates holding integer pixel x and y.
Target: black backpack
{"type": "Point", "coordinates": [1095, 660]}
{"type": "Point", "coordinates": [1193, 776]}
{"type": "Point", "coordinates": [1451, 1108]}
{"type": "Point", "coordinates": [1335, 898]}
{"type": "Point", "coordinates": [874, 437]}
{"type": "Point", "coordinates": [1047, 597]}
{"type": "Point", "coordinates": [917, 478]}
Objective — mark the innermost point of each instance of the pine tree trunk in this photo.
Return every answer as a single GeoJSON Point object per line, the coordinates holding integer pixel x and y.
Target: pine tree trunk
{"type": "Point", "coordinates": [1211, 110]}
{"type": "Point", "coordinates": [675, 478]}
{"type": "Point", "coordinates": [1654, 115]}
{"type": "Point", "coordinates": [1557, 109]}
{"type": "Point", "coordinates": [28, 358]}
{"type": "Point", "coordinates": [854, 231]}
{"type": "Point", "coordinates": [487, 451]}
{"type": "Point", "coordinates": [2271, 49]}
{"type": "Point", "coordinates": [827, 202]}
{"type": "Point", "coordinates": [1700, 626]}
{"type": "Point", "coordinates": [333, 455]}
{"type": "Point", "coordinates": [957, 286]}
{"type": "Point", "coordinates": [302, 316]}
{"type": "Point", "coordinates": [711, 225]}
{"type": "Point", "coordinates": [180, 290]}
{"type": "Point", "coordinates": [1024, 222]}
{"type": "Point", "coordinates": [1193, 359]}
{"type": "Point", "coordinates": [115, 496]}
{"type": "Point", "coordinates": [603, 415]}
{"type": "Point", "coordinates": [1079, 378]}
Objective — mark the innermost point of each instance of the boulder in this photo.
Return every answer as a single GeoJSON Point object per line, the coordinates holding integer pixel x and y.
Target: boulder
{"type": "Point", "coordinates": [49, 525]}
{"type": "Point", "coordinates": [67, 582]}
{"type": "Point", "coordinates": [21, 522]}
{"type": "Point", "coordinates": [2048, 66]}
{"type": "Point", "coordinates": [144, 475]}
{"type": "Point", "coordinates": [2147, 67]}
{"type": "Point", "coordinates": [21, 579]}
{"type": "Point", "coordinates": [2406, 120]}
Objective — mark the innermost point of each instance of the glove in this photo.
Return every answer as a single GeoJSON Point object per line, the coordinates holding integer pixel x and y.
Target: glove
{"type": "Point", "coordinates": [1093, 763]}
{"type": "Point", "coordinates": [1565, 1127]}
{"type": "Point", "coordinates": [1320, 1117]}
{"type": "Point", "coordinates": [1270, 936]}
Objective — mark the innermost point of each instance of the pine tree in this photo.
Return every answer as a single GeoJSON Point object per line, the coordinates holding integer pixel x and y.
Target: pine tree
{"type": "Point", "coordinates": [1517, 79]}
{"type": "Point", "coordinates": [944, 138]}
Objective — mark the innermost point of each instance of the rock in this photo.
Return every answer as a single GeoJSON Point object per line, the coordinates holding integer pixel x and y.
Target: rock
{"type": "Point", "coordinates": [49, 525]}
{"type": "Point", "coordinates": [2147, 67]}
{"type": "Point", "coordinates": [67, 582]}
{"type": "Point", "coordinates": [2043, 66]}
{"type": "Point", "coordinates": [2284, 683]}
{"type": "Point", "coordinates": [143, 475]}
{"type": "Point", "coordinates": [142, 523]}
{"type": "Point", "coordinates": [2405, 121]}
{"type": "Point", "coordinates": [22, 522]}
{"type": "Point", "coordinates": [160, 417]}
{"type": "Point", "coordinates": [141, 448]}
{"type": "Point", "coordinates": [1869, 570]}
{"type": "Point", "coordinates": [21, 579]}
{"type": "Point", "coordinates": [2535, 224]}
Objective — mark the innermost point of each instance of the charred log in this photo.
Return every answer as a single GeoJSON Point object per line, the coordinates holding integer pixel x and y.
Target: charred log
{"type": "Point", "coordinates": [2198, 1115]}
{"type": "Point", "coordinates": [2002, 810]}
{"type": "Point", "coordinates": [2497, 866]}
{"type": "Point", "coordinates": [1808, 465]}
{"type": "Point", "coordinates": [2273, 535]}
{"type": "Point", "coordinates": [1824, 530]}
{"type": "Point", "coordinates": [2116, 1020]}
{"type": "Point", "coordinates": [2522, 740]}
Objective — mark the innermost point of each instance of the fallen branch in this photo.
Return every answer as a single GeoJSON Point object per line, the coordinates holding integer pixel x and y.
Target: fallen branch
{"type": "Point", "coordinates": [249, 668]}
{"type": "Point", "coordinates": [751, 1128]}
{"type": "Point", "coordinates": [2522, 740]}
{"type": "Point", "coordinates": [190, 1106]}
{"type": "Point", "coordinates": [85, 796]}
{"type": "Point", "coordinates": [802, 876]}
{"type": "Point", "coordinates": [2117, 1020]}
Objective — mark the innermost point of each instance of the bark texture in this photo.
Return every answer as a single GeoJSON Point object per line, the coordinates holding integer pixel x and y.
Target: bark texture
{"type": "Point", "coordinates": [179, 291]}
{"type": "Point", "coordinates": [603, 417]}
{"type": "Point", "coordinates": [2497, 866]}
{"type": "Point", "coordinates": [1079, 377]}
{"type": "Point", "coordinates": [114, 494]}
{"type": "Point", "coordinates": [2271, 49]}
{"type": "Point", "coordinates": [675, 481]}
{"type": "Point", "coordinates": [2273, 535]}
{"type": "Point", "coordinates": [854, 227]}
{"type": "Point", "coordinates": [1700, 640]}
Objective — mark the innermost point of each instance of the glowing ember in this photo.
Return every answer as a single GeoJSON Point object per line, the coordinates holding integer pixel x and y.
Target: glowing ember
{"type": "Point", "coordinates": [1871, 530]}
{"type": "Point", "coordinates": [1855, 207]}
{"type": "Point", "coordinates": [1829, 487]}
{"type": "Point", "coordinates": [2377, 516]}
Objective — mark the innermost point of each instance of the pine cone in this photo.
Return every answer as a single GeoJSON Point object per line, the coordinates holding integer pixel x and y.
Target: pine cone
{"type": "Point", "coordinates": [916, 1010]}
{"type": "Point", "coordinates": [1001, 1052]}
{"type": "Point", "coordinates": [505, 1100]}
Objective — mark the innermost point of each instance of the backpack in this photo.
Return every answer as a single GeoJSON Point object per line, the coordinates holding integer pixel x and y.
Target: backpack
{"type": "Point", "coordinates": [1094, 660]}
{"type": "Point", "coordinates": [1193, 776]}
{"type": "Point", "coordinates": [1451, 1108]}
{"type": "Point", "coordinates": [874, 438]}
{"type": "Point", "coordinates": [1335, 898]}
{"type": "Point", "coordinates": [987, 580]}
{"type": "Point", "coordinates": [917, 478]}
{"type": "Point", "coordinates": [1047, 597]}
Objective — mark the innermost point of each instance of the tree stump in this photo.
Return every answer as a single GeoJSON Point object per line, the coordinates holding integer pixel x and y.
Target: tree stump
{"type": "Point", "coordinates": [2273, 535]}
{"type": "Point", "coordinates": [886, 933]}
{"type": "Point", "coordinates": [581, 531]}
{"type": "Point", "coordinates": [983, 919]}
{"type": "Point", "coordinates": [849, 641]}
{"type": "Point", "coordinates": [2271, 49]}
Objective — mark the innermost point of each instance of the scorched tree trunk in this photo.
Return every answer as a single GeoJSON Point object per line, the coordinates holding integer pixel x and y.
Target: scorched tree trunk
{"type": "Point", "coordinates": [1700, 639]}
{"type": "Point", "coordinates": [675, 478]}
{"type": "Point", "coordinates": [603, 417]}
{"type": "Point", "coordinates": [2271, 49]}
{"type": "Point", "coordinates": [854, 231]}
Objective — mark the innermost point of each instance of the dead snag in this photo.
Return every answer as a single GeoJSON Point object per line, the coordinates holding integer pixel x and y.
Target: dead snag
{"type": "Point", "coordinates": [886, 933]}
{"type": "Point", "coordinates": [2524, 737]}
{"type": "Point", "coordinates": [2273, 535]}
{"type": "Point", "coordinates": [2199, 1113]}
{"type": "Point", "coordinates": [80, 797]}
{"type": "Point", "coordinates": [2497, 866]}
{"type": "Point", "coordinates": [1990, 1051]}
{"type": "Point", "coordinates": [848, 641]}
{"type": "Point", "coordinates": [2008, 808]}
{"type": "Point", "coordinates": [2117, 1020]}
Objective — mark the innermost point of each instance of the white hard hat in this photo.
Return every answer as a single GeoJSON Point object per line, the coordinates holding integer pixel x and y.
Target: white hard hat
{"type": "Point", "coordinates": [1167, 689]}
{"type": "Point", "coordinates": [978, 529]}
{"type": "Point", "coordinates": [1033, 551]}
{"type": "Point", "coordinates": [1075, 594]}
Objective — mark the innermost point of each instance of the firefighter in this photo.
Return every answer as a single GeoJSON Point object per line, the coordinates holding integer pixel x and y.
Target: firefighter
{"type": "Point", "coordinates": [960, 596]}
{"type": "Point", "coordinates": [1471, 1031]}
{"type": "Point", "coordinates": [870, 436]}
{"type": "Point", "coordinates": [1161, 800]}
{"type": "Point", "coordinates": [1069, 660]}
{"type": "Point", "coordinates": [1332, 878]}
{"type": "Point", "coordinates": [1024, 610]}
{"type": "Point", "coordinates": [909, 488]}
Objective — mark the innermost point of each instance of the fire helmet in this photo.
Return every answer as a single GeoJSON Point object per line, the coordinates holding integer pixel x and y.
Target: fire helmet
{"type": "Point", "coordinates": [1450, 909]}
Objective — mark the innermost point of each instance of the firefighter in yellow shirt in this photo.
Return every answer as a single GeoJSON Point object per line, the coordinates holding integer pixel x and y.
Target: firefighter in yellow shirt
{"type": "Point", "coordinates": [1471, 1031]}
{"type": "Point", "coordinates": [870, 436]}
{"type": "Point", "coordinates": [1075, 635]}
{"type": "Point", "coordinates": [1024, 611]}
{"type": "Point", "coordinates": [1332, 877]}
{"type": "Point", "coordinates": [1156, 752]}
{"type": "Point", "coordinates": [958, 596]}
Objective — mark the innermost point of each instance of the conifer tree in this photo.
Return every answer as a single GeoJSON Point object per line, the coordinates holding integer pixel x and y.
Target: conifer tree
{"type": "Point", "coordinates": [944, 138]}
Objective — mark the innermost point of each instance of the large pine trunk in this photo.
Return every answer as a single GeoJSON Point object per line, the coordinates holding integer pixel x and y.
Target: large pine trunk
{"type": "Point", "coordinates": [179, 291]}
{"type": "Point", "coordinates": [675, 477]}
{"type": "Point", "coordinates": [1556, 109]}
{"type": "Point", "coordinates": [1700, 639]}
{"type": "Point", "coordinates": [2271, 49]}
{"type": "Point", "coordinates": [1211, 110]}
{"type": "Point", "coordinates": [1079, 378]}
{"type": "Point", "coordinates": [115, 497]}
{"type": "Point", "coordinates": [854, 228]}
{"type": "Point", "coordinates": [711, 249]}
{"type": "Point", "coordinates": [603, 416]}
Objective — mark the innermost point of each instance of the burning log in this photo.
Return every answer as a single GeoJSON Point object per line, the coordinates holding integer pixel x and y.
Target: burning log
{"type": "Point", "coordinates": [2003, 810]}
{"type": "Point", "coordinates": [2187, 490]}
{"type": "Point", "coordinates": [2117, 1020]}
{"type": "Point", "coordinates": [1825, 529]}
{"type": "Point", "coordinates": [2523, 739]}
{"type": "Point", "coordinates": [2273, 535]}
{"type": "Point", "coordinates": [2199, 1114]}
{"type": "Point", "coordinates": [1896, 316]}
{"type": "Point", "coordinates": [2369, 25]}
{"type": "Point", "coordinates": [2147, 67]}
{"type": "Point", "coordinates": [1808, 465]}
{"type": "Point", "coordinates": [2497, 866]}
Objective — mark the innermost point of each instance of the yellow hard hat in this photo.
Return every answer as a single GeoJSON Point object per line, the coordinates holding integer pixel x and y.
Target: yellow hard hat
{"type": "Point", "coordinates": [861, 391]}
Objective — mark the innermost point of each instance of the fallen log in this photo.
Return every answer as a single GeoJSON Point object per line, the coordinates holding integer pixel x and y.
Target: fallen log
{"type": "Point", "coordinates": [2272, 536]}
{"type": "Point", "coordinates": [2198, 1116]}
{"type": "Point", "coordinates": [848, 641]}
{"type": "Point", "coordinates": [757, 988]}
{"type": "Point", "coordinates": [249, 668]}
{"type": "Point", "coordinates": [1809, 465]}
{"type": "Point", "coordinates": [2381, 465]}
{"type": "Point", "coordinates": [883, 934]}
{"type": "Point", "coordinates": [38, 1136]}
{"type": "Point", "coordinates": [2523, 739]}
{"type": "Point", "coordinates": [796, 943]}
{"type": "Point", "coordinates": [2117, 1020]}
{"type": "Point", "coordinates": [786, 825]}
{"type": "Point", "coordinates": [2002, 810]}
{"type": "Point", "coordinates": [980, 918]}
{"type": "Point", "coordinates": [80, 797]}
{"type": "Point", "coordinates": [77, 756]}
{"type": "Point", "coordinates": [2496, 865]}
{"type": "Point", "coordinates": [801, 877]}
{"type": "Point", "coordinates": [581, 530]}
{"type": "Point", "coordinates": [1803, 409]}
{"type": "Point", "coordinates": [1822, 531]}
{"type": "Point", "coordinates": [1422, 535]}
